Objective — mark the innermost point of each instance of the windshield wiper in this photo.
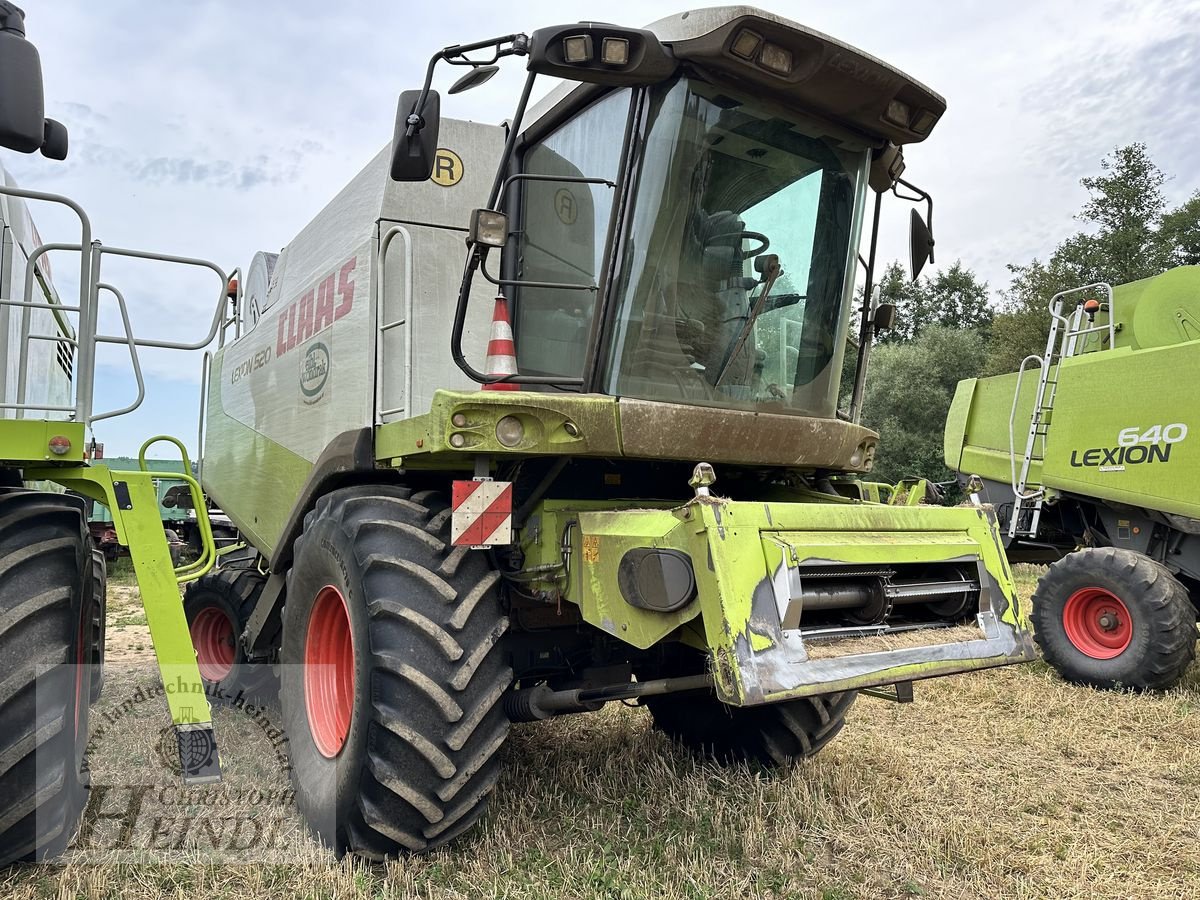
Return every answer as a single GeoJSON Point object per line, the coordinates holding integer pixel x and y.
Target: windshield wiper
{"type": "Point", "coordinates": [771, 271]}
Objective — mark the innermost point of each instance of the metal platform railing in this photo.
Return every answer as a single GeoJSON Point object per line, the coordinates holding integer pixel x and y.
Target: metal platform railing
{"type": "Point", "coordinates": [86, 338]}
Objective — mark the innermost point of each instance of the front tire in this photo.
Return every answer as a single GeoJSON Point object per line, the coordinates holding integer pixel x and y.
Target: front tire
{"type": "Point", "coordinates": [770, 735]}
{"type": "Point", "coordinates": [393, 669]}
{"type": "Point", "coordinates": [46, 626]}
{"type": "Point", "coordinates": [1114, 619]}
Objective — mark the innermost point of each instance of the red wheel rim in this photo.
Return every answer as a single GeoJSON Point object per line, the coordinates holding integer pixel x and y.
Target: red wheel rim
{"type": "Point", "coordinates": [1098, 623]}
{"type": "Point", "coordinates": [329, 672]}
{"type": "Point", "coordinates": [215, 644]}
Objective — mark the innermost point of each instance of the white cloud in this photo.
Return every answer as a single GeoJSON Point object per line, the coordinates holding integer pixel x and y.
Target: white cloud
{"type": "Point", "coordinates": [216, 129]}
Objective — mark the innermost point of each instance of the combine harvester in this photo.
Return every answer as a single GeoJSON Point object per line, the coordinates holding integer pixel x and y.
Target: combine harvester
{"type": "Point", "coordinates": [1089, 455]}
{"type": "Point", "coordinates": [647, 491]}
{"type": "Point", "coordinates": [52, 583]}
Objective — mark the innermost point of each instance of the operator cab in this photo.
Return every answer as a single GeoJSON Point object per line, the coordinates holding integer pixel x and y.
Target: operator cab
{"type": "Point", "coordinates": [733, 270]}
{"type": "Point", "coordinates": [681, 224]}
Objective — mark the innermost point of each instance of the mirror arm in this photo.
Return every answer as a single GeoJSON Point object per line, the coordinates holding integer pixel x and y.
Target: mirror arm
{"type": "Point", "coordinates": [518, 46]}
{"type": "Point", "coordinates": [478, 252]}
{"type": "Point", "coordinates": [920, 195]}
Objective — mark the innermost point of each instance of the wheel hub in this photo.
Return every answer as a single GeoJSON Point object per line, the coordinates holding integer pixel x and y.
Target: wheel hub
{"type": "Point", "coordinates": [1098, 623]}
{"type": "Point", "coordinates": [214, 642]}
{"type": "Point", "coordinates": [329, 672]}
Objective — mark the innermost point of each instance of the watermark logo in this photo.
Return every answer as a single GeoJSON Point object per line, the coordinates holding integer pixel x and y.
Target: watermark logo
{"type": "Point", "coordinates": [140, 809]}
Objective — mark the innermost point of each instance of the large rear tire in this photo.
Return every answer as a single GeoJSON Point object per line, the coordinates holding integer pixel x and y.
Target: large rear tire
{"type": "Point", "coordinates": [217, 606]}
{"type": "Point", "coordinates": [46, 629]}
{"type": "Point", "coordinates": [393, 670]}
{"type": "Point", "coordinates": [1114, 619]}
{"type": "Point", "coordinates": [771, 735]}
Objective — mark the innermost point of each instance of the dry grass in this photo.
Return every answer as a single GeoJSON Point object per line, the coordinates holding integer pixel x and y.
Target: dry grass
{"type": "Point", "coordinates": [1006, 783]}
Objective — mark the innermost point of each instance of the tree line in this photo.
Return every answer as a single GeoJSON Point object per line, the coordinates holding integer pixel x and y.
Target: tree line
{"type": "Point", "coordinates": [948, 326]}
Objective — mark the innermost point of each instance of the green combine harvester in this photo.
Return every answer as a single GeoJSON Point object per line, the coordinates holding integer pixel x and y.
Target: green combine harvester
{"type": "Point", "coordinates": [1087, 455]}
{"type": "Point", "coordinates": [605, 460]}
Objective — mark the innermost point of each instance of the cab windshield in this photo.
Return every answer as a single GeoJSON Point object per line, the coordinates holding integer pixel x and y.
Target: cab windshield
{"type": "Point", "coordinates": [737, 271]}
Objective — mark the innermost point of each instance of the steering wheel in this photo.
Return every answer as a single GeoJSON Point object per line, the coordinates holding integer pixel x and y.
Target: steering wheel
{"type": "Point", "coordinates": [763, 240]}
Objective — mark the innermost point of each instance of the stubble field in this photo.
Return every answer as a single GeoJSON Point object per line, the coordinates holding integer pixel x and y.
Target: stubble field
{"type": "Point", "coordinates": [1007, 784]}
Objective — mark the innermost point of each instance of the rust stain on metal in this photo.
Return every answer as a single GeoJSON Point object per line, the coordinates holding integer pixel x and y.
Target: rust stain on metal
{"type": "Point", "coordinates": [591, 548]}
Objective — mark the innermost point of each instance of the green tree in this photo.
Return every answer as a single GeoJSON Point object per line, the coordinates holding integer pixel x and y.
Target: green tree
{"type": "Point", "coordinates": [953, 298]}
{"type": "Point", "coordinates": [1126, 204]}
{"type": "Point", "coordinates": [1131, 235]}
{"type": "Point", "coordinates": [908, 397]}
{"type": "Point", "coordinates": [1180, 231]}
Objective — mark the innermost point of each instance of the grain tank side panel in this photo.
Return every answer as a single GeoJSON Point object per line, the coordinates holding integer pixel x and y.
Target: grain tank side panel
{"type": "Point", "coordinates": [301, 374]}
{"type": "Point", "coordinates": [305, 371]}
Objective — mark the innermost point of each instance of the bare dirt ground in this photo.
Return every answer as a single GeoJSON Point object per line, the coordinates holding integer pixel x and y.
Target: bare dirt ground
{"type": "Point", "coordinates": [1006, 783]}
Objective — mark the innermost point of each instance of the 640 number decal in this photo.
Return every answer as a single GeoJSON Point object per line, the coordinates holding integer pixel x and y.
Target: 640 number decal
{"type": "Point", "coordinates": [1155, 434]}
{"type": "Point", "coordinates": [1136, 446]}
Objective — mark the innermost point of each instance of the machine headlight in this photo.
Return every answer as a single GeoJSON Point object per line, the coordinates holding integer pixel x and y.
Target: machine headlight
{"type": "Point", "coordinates": [657, 580]}
{"type": "Point", "coordinates": [510, 431]}
{"type": "Point", "coordinates": [488, 227]}
{"type": "Point", "coordinates": [898, 113]}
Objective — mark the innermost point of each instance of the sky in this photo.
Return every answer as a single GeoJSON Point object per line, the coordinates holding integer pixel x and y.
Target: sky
{"type": "Point", "coordinates": [215, 128]}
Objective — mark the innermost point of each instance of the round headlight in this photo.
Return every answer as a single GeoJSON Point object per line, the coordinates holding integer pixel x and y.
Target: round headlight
{"type": "Point", "coordinates": [509, 431]}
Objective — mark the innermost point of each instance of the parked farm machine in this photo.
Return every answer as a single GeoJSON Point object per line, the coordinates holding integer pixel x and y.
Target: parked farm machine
{"type": "Point", "coordinates": [52, 579]}
{"type": "Point", "coordinates": [646, 493]}
{"type": "Point", "coordinates": [602, 461]}
{"type": "Point", "coordinates": [1088, 452]}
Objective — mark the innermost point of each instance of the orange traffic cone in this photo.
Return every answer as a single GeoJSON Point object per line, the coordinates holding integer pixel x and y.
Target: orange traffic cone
{"type": "Point", "coordinates": [501, 351]}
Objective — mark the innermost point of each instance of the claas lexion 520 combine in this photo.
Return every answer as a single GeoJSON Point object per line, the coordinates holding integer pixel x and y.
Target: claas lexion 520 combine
{"type": "Point", "coordinates": [625, 479]}
{"type": "Point", "coordinates": [1088, 453]}
{"type": "Point", "coordinates": [604, 460]}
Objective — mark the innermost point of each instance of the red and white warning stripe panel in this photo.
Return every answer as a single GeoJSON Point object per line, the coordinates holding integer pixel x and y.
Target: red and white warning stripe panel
{"type": "Point", "coordinates": [482, 513]}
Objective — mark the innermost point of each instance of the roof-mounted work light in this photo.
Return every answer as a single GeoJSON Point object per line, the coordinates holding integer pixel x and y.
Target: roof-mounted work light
{"type": "Point", "coordinates": [626, 55]}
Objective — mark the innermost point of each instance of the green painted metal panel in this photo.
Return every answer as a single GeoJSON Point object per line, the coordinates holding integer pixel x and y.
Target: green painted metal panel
{"type": "Point", "coordinates": [132, 496]}
{"type": "Point", "coordinates": [741, 553]}
{"type": "Point", "coordinates": [551, 423]}
{"type": "Point", "coordinates": [1125, 426]}
{"type": "Point", "coordinates": [100, 513]}
{"type": "Point", "coordinates": [254, 480]}
{"type": "Point", "coordinates": [24, 441]}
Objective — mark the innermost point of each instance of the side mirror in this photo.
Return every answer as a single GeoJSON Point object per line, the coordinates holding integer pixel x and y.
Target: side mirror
{"type": "Point", "coordinates": [22, 115]}
{"type": "Point", "coordinates": [920, 244]}
{"type": "Point", "coordinates": [413, 157]}
{"type": "Point", "coordinates": [473, 79]}
{"type": "Point", "coordinates": [54, 141]}
{"type": "Point", "coordinates": [885, 317]}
